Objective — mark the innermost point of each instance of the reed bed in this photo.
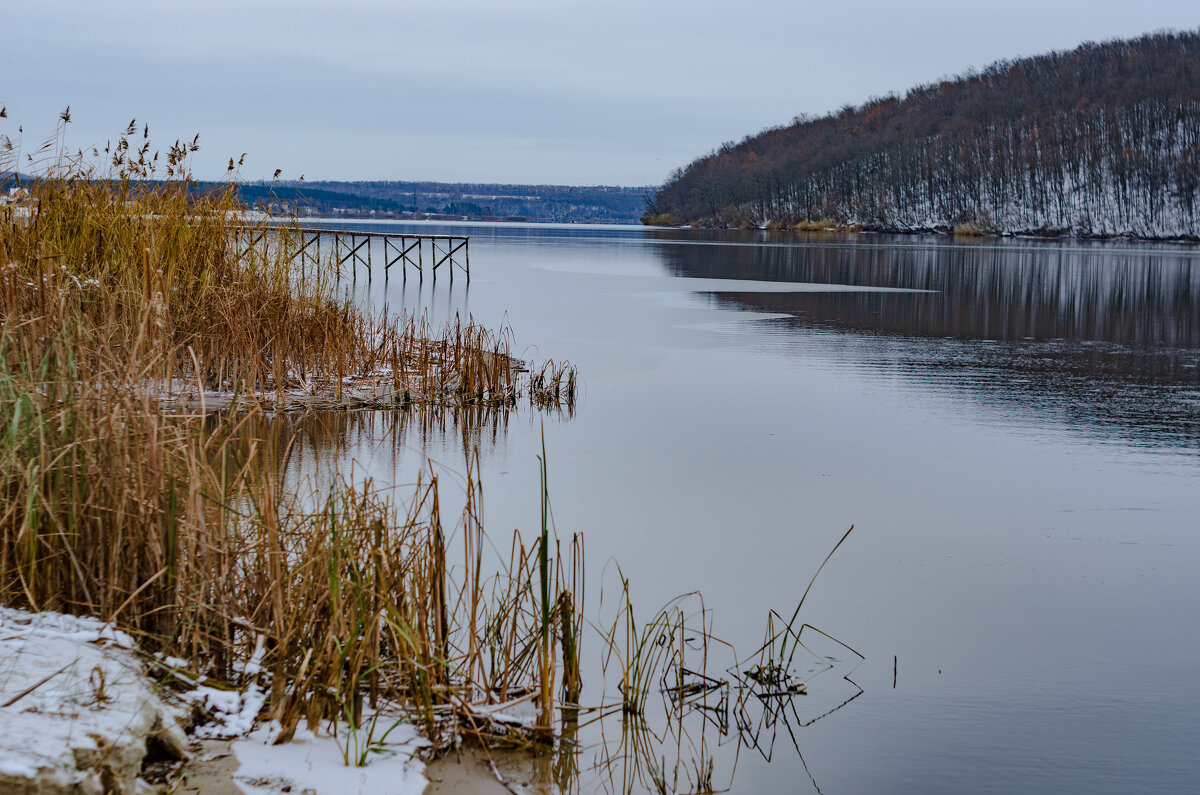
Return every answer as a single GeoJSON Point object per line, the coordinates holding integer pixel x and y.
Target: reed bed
{"type": "Point", "coordinates": [141, 352]}
{"type": "Point", "coordinates": [160, 275]}
{"type": "Point", "coordinates": [148, 365]}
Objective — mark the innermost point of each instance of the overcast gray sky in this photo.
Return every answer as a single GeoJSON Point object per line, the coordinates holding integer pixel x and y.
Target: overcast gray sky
{"type": "Point", "coordinates": [534, 91]}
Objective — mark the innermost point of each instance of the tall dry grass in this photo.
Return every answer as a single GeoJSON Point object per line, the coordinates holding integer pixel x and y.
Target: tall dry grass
{"type": "Point", "coordinates": [120, 291]}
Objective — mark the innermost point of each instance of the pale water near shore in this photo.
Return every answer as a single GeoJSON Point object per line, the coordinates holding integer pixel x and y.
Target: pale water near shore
{"type": "Point", "coordinates": [1012, 426]}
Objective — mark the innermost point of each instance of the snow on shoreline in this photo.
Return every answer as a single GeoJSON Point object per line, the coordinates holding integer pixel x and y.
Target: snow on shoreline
{"type": "Point", "coordinates": [77, 711]}
{"type": "Point", "coordinates": [315, 763]}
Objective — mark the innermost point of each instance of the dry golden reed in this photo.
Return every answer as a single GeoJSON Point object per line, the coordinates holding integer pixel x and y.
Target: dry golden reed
{"type": "Point", "coordinates": [126, 291]}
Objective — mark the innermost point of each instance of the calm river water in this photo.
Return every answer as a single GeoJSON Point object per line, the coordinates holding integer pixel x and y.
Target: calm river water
{"type": "Point", "coordinates": [1013, 428]}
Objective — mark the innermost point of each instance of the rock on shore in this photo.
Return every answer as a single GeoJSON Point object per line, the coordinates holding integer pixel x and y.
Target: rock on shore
{"type": "Point", "coordinates": [77, 712]}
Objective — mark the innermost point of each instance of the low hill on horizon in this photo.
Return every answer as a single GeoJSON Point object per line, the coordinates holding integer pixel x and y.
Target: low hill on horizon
{"type": "Point", "coordinates": [454, 200]}
{"type": "Point", "coordinates": [1102, 140]}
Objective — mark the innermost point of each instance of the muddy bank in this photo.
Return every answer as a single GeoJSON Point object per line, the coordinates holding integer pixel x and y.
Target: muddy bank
{"type": "Point", "coordinates": [473, 771]}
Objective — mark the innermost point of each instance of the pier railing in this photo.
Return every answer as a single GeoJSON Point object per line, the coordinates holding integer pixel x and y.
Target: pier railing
{"type": "Point", "coordinates": [355, 249]}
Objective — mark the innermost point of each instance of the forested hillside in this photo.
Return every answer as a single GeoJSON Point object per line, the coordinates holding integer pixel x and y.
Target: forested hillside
{"type": "Point", "coordinates": [1100, 140]}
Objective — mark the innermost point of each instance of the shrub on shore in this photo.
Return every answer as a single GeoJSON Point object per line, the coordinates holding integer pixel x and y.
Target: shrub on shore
{"type": "Point", "coordinates": [659, 219]}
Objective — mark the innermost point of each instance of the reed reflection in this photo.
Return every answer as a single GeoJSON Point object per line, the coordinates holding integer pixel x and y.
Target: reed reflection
{"type": "Point", "coordinates": [317, 445]}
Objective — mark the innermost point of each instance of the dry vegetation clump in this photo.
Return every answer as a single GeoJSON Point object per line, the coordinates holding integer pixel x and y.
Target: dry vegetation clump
{"type": "Point", "coordinates": [824, 225]}
{"type": "Point", "coordinates": [119, 291]}
{"type": "Point", "coordinates": [659, 219]}
{"type": "Point", "coordinates": [980, 227]}
{"type": "Point", "coordinates": [158, 274]}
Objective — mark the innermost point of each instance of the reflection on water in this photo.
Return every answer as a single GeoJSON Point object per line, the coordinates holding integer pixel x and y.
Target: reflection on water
{"type": "Point", "coordinates": [1018, 551]}
{"type": "Point", "coordinates": [1137, 298]}
{"type": "Point", "coordinates": [1096, 337]}
{"type": "Point", "coordinates": [318, 448]}
{"type": "Point", "coordinates": [688, 726]}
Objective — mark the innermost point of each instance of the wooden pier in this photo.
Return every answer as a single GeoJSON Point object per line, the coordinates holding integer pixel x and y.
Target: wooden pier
{"type": "Point", "coordinates": [359, 249]}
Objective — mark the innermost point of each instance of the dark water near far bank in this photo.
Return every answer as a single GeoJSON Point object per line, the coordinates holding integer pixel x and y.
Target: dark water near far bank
{"type": "Point", "coordinates": [1013, 427]}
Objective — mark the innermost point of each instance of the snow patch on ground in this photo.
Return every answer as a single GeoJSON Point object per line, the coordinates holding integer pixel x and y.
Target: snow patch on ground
{"type": "Point", "coordinates": [314, 763]}
{"type": "Point", "coordinates": [76, 709]}
{"type": "Point", "coordinates": [233, 712]}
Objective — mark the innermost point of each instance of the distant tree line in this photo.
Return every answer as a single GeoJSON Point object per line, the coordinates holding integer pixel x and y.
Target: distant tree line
{"type": "Point", "coordinates": [563, 203]}
{"type": "Point", "coordinates": [1101, 140]}
{"type": "Point", "coordinates": [560, 203]}
{"type": "Point", "coordinates": [315, 199]}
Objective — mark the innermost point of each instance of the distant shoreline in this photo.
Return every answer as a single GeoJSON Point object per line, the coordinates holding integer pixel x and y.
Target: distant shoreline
{"type": "Point", "coordinates": [443, 201]}
{"type": "Point", "coordinates": [447, 218]}
{"type": "Point", "coordinates": [945, 232]}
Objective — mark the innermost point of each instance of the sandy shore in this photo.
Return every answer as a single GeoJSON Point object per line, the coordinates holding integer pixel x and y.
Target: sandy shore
{"type": "Point", "coordinates": [466, 773]}
{"type": "Point", "coordinates": [470, 771]}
